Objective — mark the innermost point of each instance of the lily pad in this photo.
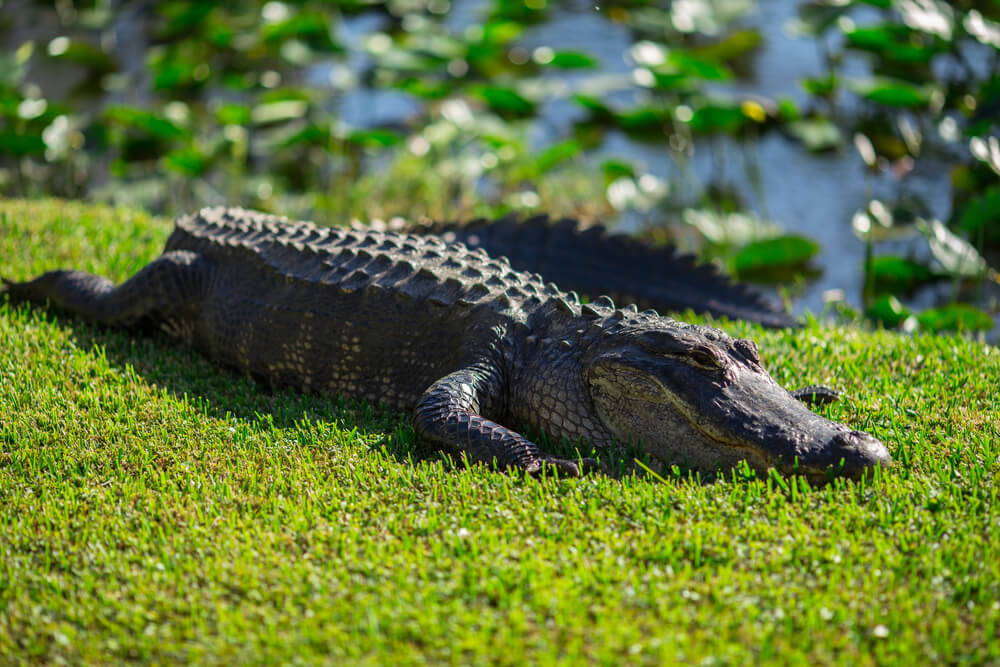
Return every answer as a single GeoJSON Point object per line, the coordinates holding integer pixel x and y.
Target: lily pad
{"type": "Point", "coordinates": [615, 169]}
{"type": "Point", "coordinates": [981, 214]}
{"type": "Point", "coordinates": [891, 274]}
{"type": "Point", "coordinates": [781, 252]}
{"type": "Point", "coordinates": [375, 138]}
{"type": "Point", "coordinates": [81, 53]}
{"type": "Point", "coordinates": [894, 41]}
{"type": "Point", "coordinates": [311, 28]}
{"type": "Point", "coordinates": [151, 123]}
{"type": "Point", "coordinates": [570, 60]}
{"type": "Point", "coordinates": [955, 317]}
{"type": "Point", "coordinates": [711, 118]}
{"type": "Point", "coordinates": [894, 92]}
{"type": "Point", "coordinates": [732, 48]}
{"type": "Point", "coordinates": [888, 311]}
{"type": "Point", "coordinates": [313, 134]}
{"type": "Point", "coordinates": [557, 153]}
{"type": "Point", "coordinates": [187, 162]}
{"type": "Point", "coordinates": [506, 101]}
{"type": "Point", "coordinates": [233, 114]}
{"type": "Point", "coordinates": [21, 143]}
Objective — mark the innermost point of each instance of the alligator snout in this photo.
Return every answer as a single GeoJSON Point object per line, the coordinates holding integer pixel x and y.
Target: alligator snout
{"type": "Point", "coordinates": [848, 453]}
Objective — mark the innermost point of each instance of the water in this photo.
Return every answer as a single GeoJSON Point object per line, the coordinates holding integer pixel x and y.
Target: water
{"type": "Point", "coordinates": [814, 195]}
{"type": "Point", "coordinates": [808, 194]}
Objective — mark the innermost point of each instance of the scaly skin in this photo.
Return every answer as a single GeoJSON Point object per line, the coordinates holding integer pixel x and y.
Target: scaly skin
{"type": "Point", "coordinates": [593, 261]}
{"type": "Point", "coordinates": [472, 347]}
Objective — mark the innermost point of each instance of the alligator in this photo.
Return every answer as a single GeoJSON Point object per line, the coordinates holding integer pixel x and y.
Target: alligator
{"type": "Point", "coordinates": [475, 349]}
{"type": "Point", "coordinates": [592, 260]}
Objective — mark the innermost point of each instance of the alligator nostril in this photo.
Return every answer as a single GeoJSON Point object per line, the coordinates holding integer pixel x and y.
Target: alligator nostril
{"type": "Point", "coordinates": [859, 451]}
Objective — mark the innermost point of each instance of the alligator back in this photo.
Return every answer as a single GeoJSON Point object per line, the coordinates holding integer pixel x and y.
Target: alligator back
{"type": "Point", "coordinates": [379, 315]}
{"type": "Point", "coordinates": [593, 261]}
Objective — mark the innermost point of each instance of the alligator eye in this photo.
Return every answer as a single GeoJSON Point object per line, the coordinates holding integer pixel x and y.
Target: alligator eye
{"type": "Point", "coordinates": [705, 358]}
{"type": "Point", "coordinates": [749, 349]}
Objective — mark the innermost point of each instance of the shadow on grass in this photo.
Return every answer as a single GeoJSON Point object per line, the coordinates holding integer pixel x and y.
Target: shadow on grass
{"type": "Point", "coordinates": [219, 392]}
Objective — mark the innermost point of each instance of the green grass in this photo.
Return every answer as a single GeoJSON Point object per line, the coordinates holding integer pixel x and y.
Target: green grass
{"type": "Point", "coordinates": [153, 507]}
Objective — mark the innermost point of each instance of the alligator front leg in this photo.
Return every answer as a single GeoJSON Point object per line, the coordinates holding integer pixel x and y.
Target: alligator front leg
{"type": "Point", "coordinates": [816, 394]}
{"type": "Point", "coordinates": [448, 417]}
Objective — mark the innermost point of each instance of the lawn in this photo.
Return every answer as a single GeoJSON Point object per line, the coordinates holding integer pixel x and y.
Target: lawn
{"type": "Point", "coordinates": [155, 508]}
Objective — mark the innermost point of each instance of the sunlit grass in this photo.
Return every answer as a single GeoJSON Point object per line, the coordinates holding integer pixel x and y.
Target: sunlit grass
{"type": "Point", "coordinates": [156, 508]}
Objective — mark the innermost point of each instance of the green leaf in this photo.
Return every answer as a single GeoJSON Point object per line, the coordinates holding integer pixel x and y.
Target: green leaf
{"type": "Point", "coordinates": [557, 153]}
{"type": "Point", "coordinates": [506, 101]}
{"type": "Point", "coordinates": [788, 110]}
{"type": "Point", "coordinates": [81, 53]}
{"type": "Point", "coordinates": [426, 89]}
{"type": "Point", "coordinates": [895, 42]}
{"type": "Point", "coordinates": [821, 86]}
{"type": "Point", "coordinates": [712, 118]}
{"type": "Point", "coordinates": [897, 275]}
{"type": "Point", "coordinates": [145, 121]}
{"type": "Point", "coordinates": [595, 106]}
{"type": "Point", "coordinates": [816, 134]}
{"type": "Point", "coordinates": [233, 114]}
{"type": "Point", "coordinates": [615, 169]}
{"type": "Point", "coordinates": [643, 119]}
{"type": "Point", "coordinates": [183, 17]}
{"type": "Point", "coordinates": [571, 60]}
{"type": "Point", "coordinates": [278, 112]}
{"type": "Point", "coordinates": [982, 214]}
{"type": "Point", "coordinates": [681, 64]}
{"type": "Point", "coordinates": [782, 251]}
{"type": "Point", "coordinates": [311, 135]}
{"type": "Point", "coordinates": [888, 311]}
{"type": "Point", "coordinates": [501, 32]}
{"type": "Point", "coordinates": [734, 47]}
{"type": "Point", "coordinates": [894, 92]}
{"type": "Point", "coordinates": [375, 138]}
{"type": "Point", "coordinates": [955, 317]}
{"type": "Point", "coordinates": [177, 74]}
{"type": "Point", "coordinates": [311, 28]}
{"type": "Point", "coordinates": [21, 143]}
{"type": "Point", "coordinates": [187, 162]}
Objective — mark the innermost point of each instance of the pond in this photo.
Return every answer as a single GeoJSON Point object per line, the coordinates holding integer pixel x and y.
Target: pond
{"type": "Point", "coordinates": [839, 129]}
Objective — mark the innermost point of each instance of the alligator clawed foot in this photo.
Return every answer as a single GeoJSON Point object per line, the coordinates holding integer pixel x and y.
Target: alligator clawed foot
{"type": "Point", "coordinates": [816, 394]}
{"type": "Point", "coordinates": [564, 467]}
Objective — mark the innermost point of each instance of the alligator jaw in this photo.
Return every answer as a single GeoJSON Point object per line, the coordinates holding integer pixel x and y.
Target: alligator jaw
{"type": "Point", "coordinates": [761, 418]}
{"type": "Point", "coordinates": [720, 411]}
{"type": "Point", "coordinates": [846, 453]}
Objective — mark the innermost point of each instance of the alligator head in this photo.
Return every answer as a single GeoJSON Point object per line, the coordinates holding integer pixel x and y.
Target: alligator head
{"type": "Point", "coordinates": [694, 395]}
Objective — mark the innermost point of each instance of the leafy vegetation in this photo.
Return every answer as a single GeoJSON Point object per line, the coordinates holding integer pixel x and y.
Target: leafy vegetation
{"type": "Point", "coordinates": [258, 104]}
{"type": "Point", "coordinates": [156, 508]}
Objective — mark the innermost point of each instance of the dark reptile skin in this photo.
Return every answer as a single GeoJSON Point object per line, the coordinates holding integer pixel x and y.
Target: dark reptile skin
{"type": "Point", "coordinates": [473, 347]}
{"type": "Point", "coordinates": [593, 261]}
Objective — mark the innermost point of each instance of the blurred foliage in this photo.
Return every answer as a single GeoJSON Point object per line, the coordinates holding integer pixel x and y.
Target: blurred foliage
{"type": "Point", "coordinates": [248, 104]}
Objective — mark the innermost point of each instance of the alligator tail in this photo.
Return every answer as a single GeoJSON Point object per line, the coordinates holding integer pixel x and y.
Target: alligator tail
{"type": "Point", "coordinates": [594, 261]}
